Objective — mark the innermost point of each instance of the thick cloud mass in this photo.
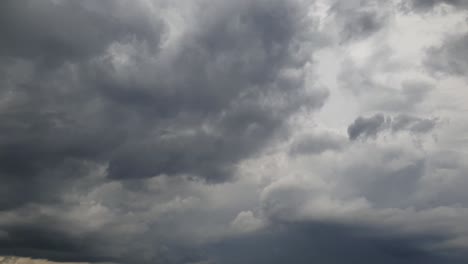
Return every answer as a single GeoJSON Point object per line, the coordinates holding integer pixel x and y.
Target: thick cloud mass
{"type": "Point", "coordinates": [249, 131]}
{"type": "Point", "coordinates": [305, 243]}
{"type": "Point", "coordinates": [94, 83]}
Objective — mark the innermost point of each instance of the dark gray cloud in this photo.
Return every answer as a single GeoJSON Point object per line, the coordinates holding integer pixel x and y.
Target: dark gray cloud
{"type": "Point", "coordinates": [123, 126]}
{"type": "Point", "coordinates": [85, 28]}
{"type": "Point", "coordinates": [308, 242]}
{"type": "Point", "coordinates": [370, 127]}
{"type": "Point", "coordinates": [47, 243]}
{"type": "Point", "coordinates": [367, 126]}
{"type": "Point", "coordinates": [89, 85]}
{"type": "Point", "coordinates": [44, 241]}
{"type": "Point", "coordinates": [86, 83]}
{"type": "Point", "coordinates": [300, 242]}
{"type": "Point", "coordinates": [52, 123]}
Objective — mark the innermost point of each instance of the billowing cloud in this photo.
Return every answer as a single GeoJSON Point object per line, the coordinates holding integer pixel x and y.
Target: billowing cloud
{"type": "Point", "coordinates": [208, 132]}
{"type": "Point", "coordinates": [141, 97]}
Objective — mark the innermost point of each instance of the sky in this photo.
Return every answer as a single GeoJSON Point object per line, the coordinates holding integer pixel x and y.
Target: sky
{"type": "Point", "coordinates": [234, 132]}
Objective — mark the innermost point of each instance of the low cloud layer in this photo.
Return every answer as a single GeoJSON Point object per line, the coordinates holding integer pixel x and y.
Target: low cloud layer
{"type": "Point", "coordinates": [18, 260]}
{"type": "Point", "coordinates": [258, 131]}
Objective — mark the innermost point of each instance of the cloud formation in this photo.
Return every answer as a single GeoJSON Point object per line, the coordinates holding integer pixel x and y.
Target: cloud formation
{"type": "Point", "coordinates": [129, 95]}
{"type": "Point", "coordinates": [170, 132]}
{"type": "Point", "coordinates": [370, 127]}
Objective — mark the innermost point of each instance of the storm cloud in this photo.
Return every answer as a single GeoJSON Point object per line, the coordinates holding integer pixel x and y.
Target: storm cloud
{"type": "Point", "coordinates": [112, 94]}
{"type": "Point", "coordinates": [244, 131]}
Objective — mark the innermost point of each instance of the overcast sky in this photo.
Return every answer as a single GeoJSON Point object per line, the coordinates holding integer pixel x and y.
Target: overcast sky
{"type": "Point", "coordinates": [234, 132]}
